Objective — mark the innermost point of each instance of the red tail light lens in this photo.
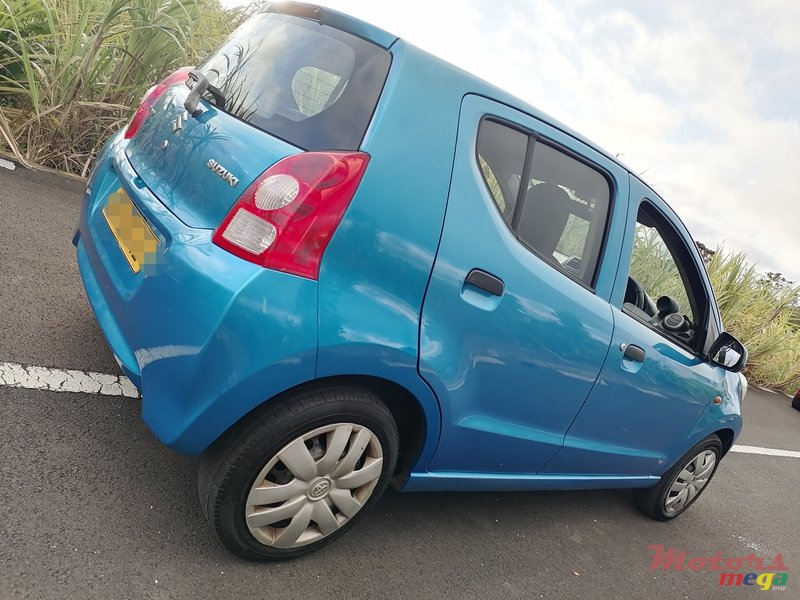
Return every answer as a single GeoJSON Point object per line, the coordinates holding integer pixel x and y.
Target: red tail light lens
{"type": "Point", "coordinates": [286, 218]}
{"type": "Point", "coordinates": [151, 97]}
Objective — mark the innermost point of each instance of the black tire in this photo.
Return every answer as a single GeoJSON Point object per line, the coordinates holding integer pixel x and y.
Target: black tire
{"type": "Point", "coordinates": [652, 501]}
{"type": "Point", "coordinates": [228, 470]}
{"type": "Point", "coordinates": [796, 401]}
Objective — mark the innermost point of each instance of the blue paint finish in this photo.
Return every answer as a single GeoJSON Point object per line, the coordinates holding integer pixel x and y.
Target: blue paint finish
{"type": "Point", "coordinates": [207, 336]}
{"type": "Point", "coordinates": [635, 422]}
{"type": "Point", "coordinates": [511, 375]}
{"type": "Point", "coordinates": [726, 415]}
{"type": "Point", "coordinates": [179, 176]}
{"type": "Point", "coordinates": [375, 270]}
{"type": "Point", "coordinates": [527, 390]}
{"type": "Point", "coordinates": [492, 482]}
{"type": "Point", "coordinates": [480, 298]}
{"type": "Point", "coordinates": [638, 417]}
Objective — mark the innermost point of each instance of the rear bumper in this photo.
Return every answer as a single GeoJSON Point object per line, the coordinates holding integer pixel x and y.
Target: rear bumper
{"type": "Point", "coordinates": [204, 335]}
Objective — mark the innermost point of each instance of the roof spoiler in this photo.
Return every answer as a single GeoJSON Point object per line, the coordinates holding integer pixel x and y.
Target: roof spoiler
{"type": "Point", "coordinates": [333, 18]}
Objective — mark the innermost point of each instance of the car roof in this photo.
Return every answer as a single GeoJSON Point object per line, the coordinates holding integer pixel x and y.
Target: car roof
{"type": "Point", "coordinates": [471, 83]}
{"type": "Point", "coordinates": [476, 85]}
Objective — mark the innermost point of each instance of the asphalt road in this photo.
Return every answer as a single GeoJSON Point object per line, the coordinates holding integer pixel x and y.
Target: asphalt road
{"type": "Point", "coordinates": [91, 506]}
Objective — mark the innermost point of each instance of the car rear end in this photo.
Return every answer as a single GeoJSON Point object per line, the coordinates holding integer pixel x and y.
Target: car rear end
{"type": "Point", "coordinates": [202, 232]}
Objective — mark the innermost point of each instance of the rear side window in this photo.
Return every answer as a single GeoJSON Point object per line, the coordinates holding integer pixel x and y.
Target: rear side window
{"type": "Point", "coordinates": [556, 205]}
{"type": "Point", "coordinates": [501, 156]}
{"type": "Point", "coordinates": [309, 84]}
{"type": "Point", "coordinates": [564, 211]}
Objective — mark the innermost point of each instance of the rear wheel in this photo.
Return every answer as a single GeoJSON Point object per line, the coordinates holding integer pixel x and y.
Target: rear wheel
{"type": "Point", "coordinates": [299, 474]}
{"type": "Point", "coordinates": [680, 487]}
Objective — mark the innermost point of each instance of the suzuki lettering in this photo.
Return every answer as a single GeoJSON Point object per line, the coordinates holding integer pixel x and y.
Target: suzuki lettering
{"type": "Point", "coordinates": [223, 172]}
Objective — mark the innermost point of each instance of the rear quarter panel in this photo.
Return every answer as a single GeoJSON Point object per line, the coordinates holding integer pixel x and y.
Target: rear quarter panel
{"type": "Point", "coordinates": [376, 268]}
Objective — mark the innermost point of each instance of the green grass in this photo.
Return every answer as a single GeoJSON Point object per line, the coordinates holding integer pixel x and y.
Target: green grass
{"type": "Point", "coordinates": [761, 314]}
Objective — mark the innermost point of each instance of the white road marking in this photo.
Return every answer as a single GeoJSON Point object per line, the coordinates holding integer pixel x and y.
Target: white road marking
{"type": "Point", "coordinates": [753, 545]}
{"type": "Point", "coordinates": [88, 382]}
{"type": "Point", "coordinates": [65, 380]}
{"type": "Point", "coordinates": [765, 451]}
{"type": "Point", "coordinates": [7, 164]}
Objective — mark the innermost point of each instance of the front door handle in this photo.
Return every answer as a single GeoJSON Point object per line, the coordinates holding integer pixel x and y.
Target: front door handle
{"type": "Point", "coordinates": [634, 353]}
{"type": "Point", "coordinates": [486, 282]}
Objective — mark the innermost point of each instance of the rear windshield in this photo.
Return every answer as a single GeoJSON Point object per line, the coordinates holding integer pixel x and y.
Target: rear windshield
{"type": "Point", "coordinates": [312, 85]}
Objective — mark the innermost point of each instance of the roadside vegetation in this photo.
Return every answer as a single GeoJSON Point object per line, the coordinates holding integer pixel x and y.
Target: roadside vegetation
{"type": "Point", "coordinates": [73, 71]}
{"type": "Point", "coordinates": [763, 312]}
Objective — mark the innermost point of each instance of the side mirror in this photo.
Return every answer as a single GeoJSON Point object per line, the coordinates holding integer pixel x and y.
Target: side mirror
{"type": "Point", "coordinates": [728, 352]}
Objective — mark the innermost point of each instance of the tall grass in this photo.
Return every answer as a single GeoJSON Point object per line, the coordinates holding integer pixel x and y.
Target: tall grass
{"type": "Point", "coordinates": [762, 315]}
{"type": "Point", "coordinates": [654, 268]}
{"type": "Point", "coordinates": [71, 71]}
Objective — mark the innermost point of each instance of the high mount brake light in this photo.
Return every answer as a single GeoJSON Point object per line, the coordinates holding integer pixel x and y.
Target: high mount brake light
{"type": "Point", "coordinates": [287, 216]}
{"type": "Point", "coordinates": [151, 97]}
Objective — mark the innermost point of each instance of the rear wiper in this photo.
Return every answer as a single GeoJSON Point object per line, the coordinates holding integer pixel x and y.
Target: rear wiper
{"type": "Point", "coordinates": [199, 88]}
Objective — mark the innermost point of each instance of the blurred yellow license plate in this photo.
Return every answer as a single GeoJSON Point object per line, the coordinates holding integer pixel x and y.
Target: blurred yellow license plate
{"type": "Point", "coordinates": [135, 238]}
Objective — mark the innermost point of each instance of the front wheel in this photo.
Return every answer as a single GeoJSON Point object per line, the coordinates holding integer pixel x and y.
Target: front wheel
{"type": "Point", "coordinates": [682, 485]}
{"type": "Point", "coordinates": [297, 476]}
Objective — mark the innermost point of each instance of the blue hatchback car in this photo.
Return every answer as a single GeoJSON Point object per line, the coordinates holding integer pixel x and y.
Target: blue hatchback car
{"type": "Point", "coordinates": [330, 261]}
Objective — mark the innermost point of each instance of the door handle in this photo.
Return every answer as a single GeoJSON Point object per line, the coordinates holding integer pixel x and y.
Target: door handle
{"type": "Point", "coordinates": [486, 282]}
{"type": "Point", "coordinates": [634, 353]}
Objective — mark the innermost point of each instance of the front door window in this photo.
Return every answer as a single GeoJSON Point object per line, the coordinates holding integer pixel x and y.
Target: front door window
{"type": "Point", "coordinates": [663, 282]}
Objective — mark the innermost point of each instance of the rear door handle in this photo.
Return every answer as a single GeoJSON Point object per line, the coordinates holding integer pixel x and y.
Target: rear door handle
{"type": "Point", "coordinates": [486, 282]}
{"type": "Point", "coordinates": [634, 353]}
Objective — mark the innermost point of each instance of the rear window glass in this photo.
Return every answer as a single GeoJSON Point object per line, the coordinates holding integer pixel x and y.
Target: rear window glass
{"type": "Point", "coordinates": [312, 85]}
{"type": "Point", "coordinates": [561, 210]}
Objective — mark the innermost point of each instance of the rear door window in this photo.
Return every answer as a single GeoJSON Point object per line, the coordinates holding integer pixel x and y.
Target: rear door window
{"type": "Point", "coordinates": [564, 211]}
{"type": "Point", "coordinates": [312, 85]}
{"type": "Point", "coordinates": [501, 156]}
{"type": "Point", "coordinates": [560, 212]}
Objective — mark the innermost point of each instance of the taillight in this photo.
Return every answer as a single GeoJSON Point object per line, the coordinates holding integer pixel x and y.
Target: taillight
{"type": "Point", "coordinates": [151, 97]}
{"type": "Point", "coordinates": [286, 218]}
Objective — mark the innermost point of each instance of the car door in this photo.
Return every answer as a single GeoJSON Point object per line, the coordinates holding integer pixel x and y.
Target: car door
{"type": "Point", "coordinates": [516, 321]}
{"type": "Point", "coordinates": [655, 383]}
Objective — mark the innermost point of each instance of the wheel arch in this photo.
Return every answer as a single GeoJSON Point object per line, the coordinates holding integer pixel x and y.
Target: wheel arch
{"type": "Point", "coordinates": [406, 411]}
{"type": "Point", "coordinates": [418, 431]}
{"type": "Point", "coordinates": [727, 436]}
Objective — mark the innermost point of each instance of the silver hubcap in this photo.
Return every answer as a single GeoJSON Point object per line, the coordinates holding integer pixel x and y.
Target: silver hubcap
{"type": "Point", "coordinates": [688, 483]}
{"type": "Point", "coordinates": [314, 485]}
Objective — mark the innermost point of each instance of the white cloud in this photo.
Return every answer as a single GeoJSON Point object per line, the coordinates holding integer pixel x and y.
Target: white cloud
{"type": "Point", "coordinates": [702, 95]}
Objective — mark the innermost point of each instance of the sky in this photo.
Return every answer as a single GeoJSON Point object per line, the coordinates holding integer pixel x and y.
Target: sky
{"type": "Point", "coordinates": [701, 98]}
